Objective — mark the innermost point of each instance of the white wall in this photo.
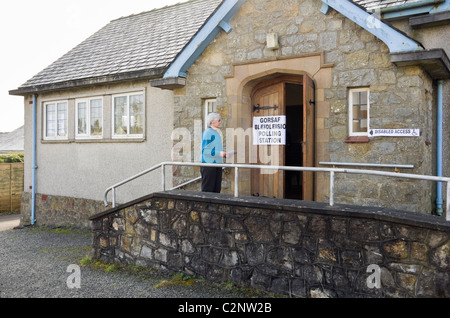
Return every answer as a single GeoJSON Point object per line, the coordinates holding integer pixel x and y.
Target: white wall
{"type": "Point", "coordinates": [85, 169]}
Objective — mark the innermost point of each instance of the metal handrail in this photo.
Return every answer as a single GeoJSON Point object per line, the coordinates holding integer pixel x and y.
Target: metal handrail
{"type": "Point", "coordinates": [186, 183]}
{"type": "Point", "coordinates": [372, 165]}
{"type": "Point", "coordinates": [332, 172]}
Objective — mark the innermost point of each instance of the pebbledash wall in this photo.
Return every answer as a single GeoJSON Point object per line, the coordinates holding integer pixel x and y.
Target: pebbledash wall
{"type": "Point", "coordinates": [281, 246]}
{"type": "Point", "coordinates": [337, 54]}
{"type": "Point", "coordinates": [68, 193]}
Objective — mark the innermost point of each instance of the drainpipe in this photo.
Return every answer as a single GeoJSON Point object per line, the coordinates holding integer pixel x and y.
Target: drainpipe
{"type": "Point", "coordinates": [439, 201]}
{"type": "Point", "coordinates": [33, 181]}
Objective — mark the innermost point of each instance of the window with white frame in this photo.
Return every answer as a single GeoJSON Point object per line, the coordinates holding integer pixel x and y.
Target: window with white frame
{"type": "Point", "coordinates": [55, 120]}
{"type": "Point", "coordinates": [359, 107]}
{"type": "Point", "coordinates": [128, 115]}
{"type": "Point", "coordinates": [89, 118]}
{"type": "Point", "coordinates": [210, 107]}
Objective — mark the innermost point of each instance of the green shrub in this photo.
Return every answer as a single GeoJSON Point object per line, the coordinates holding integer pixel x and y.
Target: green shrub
{"type": "Point", "coordinates": [11, 158]}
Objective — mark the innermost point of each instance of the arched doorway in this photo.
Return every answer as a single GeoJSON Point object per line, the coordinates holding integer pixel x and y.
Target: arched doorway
{"type": "Point", "coordinates": [286, 101]}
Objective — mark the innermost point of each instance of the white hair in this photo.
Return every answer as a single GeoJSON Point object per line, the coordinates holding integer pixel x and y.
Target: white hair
{"type": "Point", "coordinates": [212, 117]}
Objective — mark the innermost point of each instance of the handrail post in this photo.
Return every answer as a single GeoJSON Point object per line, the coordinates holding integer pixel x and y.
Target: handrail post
{"type": "Point", "coordinates": [163, 176]}
{"type": "Point", "coordinates": [331, 188]}
{"type": "Point", "coordinates": [447, 212]}
{"type": "Point", "coordinates": [113, 197]}
{"type": "Point", "coordinates": [236, 182]}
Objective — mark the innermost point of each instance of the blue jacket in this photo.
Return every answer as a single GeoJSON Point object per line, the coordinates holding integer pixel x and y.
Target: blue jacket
{"type": "Point", "coordinates": [211, 146]}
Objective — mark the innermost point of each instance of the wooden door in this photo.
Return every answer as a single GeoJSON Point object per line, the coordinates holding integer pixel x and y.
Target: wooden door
{"type": "Point", "coordinates": [268, 100]}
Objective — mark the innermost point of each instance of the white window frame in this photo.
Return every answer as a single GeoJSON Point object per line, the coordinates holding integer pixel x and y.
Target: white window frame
{"type": "Point", "coordinates": [350, 111]}
{"type": "Point", "coordinates": [209, 108]}
{"type": "Point", "coordinates": [88, 118]}
{"type": "Point", "coordinates": [44, 110]}
{"type": "Point", "coordinates": [128, 135]}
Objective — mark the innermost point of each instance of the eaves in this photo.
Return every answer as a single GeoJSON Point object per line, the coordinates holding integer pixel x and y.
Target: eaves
{"type": "Point", "coordinates": [92, 81]}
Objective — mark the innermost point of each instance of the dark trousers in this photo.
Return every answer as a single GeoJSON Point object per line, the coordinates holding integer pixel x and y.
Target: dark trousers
{"type": "Point", "coordinates": [211, 179]}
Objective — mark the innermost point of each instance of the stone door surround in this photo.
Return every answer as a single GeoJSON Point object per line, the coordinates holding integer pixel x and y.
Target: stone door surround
{"type": "Point", "coordinates": [244, 77]}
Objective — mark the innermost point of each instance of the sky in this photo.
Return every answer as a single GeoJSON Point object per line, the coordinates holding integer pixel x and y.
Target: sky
{"type": "Point", "coordinates": [34, 34]}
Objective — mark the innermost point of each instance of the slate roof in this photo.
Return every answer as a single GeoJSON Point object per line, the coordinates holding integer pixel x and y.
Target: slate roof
{"type": "Point", "coordinates": [369, 5]}
{"type": "Point", "coordinates": [12, 141]}
{"type": "Point", "coordinates": [141, 45]}
{"type": "Point", "coordinates": [138, 46]}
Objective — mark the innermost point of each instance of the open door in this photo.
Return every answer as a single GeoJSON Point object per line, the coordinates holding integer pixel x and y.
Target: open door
{"type": "Point", "coordinates": [292, 97]}
{"type": "Point", "coordinates": [267, 102]}
{"type": "Point", "coordinates": [308, 137]}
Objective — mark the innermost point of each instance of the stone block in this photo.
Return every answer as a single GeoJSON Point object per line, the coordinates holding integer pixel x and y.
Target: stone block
{"type": "Point", "coordinates": [260, 281]}
{"type": "Point", "coordinates": [280, 286]}
{"type": "Point", "coordinates": [103, 242]}
{"type": "Point", "coordinates": [440, 256]}
{"type": "Point", "coordinates": [146, 252]}
{"type": "Point", "coordinates": [396, 249]}
{"type": "Point", "coordinates": [220, 239]}
{"type": "Point", "coordinates": [363, 230]}
{"type": "Point", "coordinates": [407, 281]}
{"type": "Point", "coordinates": [150, 216]}
{"type": "Point", "coordinates": [419, 251]}
{"type": "Point", "coordinates": [351, 259]}
{"type": "Point", "coordinates": [259, 230]}
{"type": "Point", "coordinates": [211, 254]}
{"type": "Point", "coordinates": [230, 259]}
{"type": "Point", "coordinates": [291, 233]}
{"type": "Point", "coordinates": [255, 254]}
{"type": "Point", "coordinates": [161, 255]}
{"type": "Point", "coordinates": [187, 247]}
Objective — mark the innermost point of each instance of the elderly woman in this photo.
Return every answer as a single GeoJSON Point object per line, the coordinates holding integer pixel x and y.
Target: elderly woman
{"type": "Point", "coordinates": [212, 152]}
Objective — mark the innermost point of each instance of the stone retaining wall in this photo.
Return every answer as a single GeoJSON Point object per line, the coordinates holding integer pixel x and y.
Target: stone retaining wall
{"type": "Point", "coordinates": [295, 248]}
{"type": "Point", "coordinates": [55, 210]}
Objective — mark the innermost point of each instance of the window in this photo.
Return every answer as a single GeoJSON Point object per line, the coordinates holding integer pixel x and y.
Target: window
{"type": "Point", "coordinates": [128, 115]}
{"type": "Point", "coordinates": [210, 107]}
{"type": "Point", "coordinates": [359, 112]}
{"type": "Point", "coordinates": [55, 120]}
{"type": "Point", "coordinates": [89, 118]}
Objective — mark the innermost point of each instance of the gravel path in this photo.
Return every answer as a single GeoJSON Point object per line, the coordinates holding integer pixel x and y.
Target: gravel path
{"type": "Point", "coordinates": [34, 264]}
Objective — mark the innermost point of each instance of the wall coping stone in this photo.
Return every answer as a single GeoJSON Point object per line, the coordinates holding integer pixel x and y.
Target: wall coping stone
{"type": "Point", "coordinates": [375, 213]}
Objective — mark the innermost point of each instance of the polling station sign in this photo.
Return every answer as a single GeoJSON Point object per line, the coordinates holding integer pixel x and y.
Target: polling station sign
{"type": "Point", "coordinates": [269, 130]}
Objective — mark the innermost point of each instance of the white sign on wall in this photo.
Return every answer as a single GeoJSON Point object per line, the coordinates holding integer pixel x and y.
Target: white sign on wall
{"type": "Point", "coordinates": [269, 130]}
{"type": "Point", "coordinates": [394, 132]}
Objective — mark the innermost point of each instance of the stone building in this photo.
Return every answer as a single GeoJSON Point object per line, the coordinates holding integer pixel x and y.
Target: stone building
{"type": "Point", "coordinates": [340, 83]}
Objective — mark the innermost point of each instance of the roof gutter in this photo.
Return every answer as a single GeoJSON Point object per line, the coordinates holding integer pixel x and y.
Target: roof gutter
{"type": "Point", "coordinates": [408, 9]}
{"type": "Point", "coordinates": [99, 80]}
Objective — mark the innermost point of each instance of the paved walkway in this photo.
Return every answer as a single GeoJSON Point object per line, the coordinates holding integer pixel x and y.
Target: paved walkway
{"type": "Point", "coordinates": [10, 221]}
{"type": "Point", "coordinates": [41, 262]}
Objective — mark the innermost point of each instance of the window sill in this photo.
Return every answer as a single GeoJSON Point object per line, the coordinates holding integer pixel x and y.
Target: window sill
{"type": "Point", "coordinates": [96, 140]}
{"type": "Point", "coordinates": [55, 141]}
{"type": "Point", "coordinates": [357, 140]}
